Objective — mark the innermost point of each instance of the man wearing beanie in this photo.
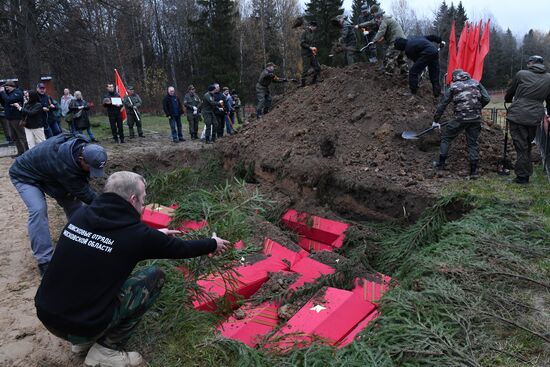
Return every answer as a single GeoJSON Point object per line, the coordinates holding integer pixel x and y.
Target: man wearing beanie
{"type": "Point", "coordinates": [59, 167]}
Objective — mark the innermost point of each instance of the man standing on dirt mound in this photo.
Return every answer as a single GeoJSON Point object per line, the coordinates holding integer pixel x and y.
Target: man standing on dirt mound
{"type": "Point", "coordinates": [528, 90]}
{"type": "Point", "coordinates": [59, 167]}
{"type": "Point", "coordinates": [89, 295]}
{"type": "Point", "coordinates": [309, 54]}
{"type": "Point", "coordinates": [388, 31]}
{"type": "Point", "coordinates": [468, 97]}
{"type": "Point", "coordinates": [262, 89]}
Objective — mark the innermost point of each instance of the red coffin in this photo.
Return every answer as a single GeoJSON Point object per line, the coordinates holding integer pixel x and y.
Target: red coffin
{"type": "Point", "coordinates": [356, 330]}
{"type": "Point", "coordinates": [327, 322]}
{"type": "Point", "coordinates": [159, 216]}
{"type": "Point", "coordinates": [258, 321]}
{"type": "Point", "coordinates": [370, 290]}
{"type": "Point", "coordinates": [276, 250]}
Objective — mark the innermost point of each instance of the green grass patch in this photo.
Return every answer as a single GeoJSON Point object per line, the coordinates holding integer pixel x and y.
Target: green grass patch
{"type": "Point", "coordinates": [472, 280]}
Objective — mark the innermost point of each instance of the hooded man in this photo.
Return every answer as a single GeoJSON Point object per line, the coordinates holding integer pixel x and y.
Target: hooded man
{"type": "Point", "coordinates": [468, 97]}
{"type": "Point", "coordinates": [422, 51]}
{"type": "Point", "coordinates": [59, 167]}
{"type": "Point", "coordinates": [527, 92]}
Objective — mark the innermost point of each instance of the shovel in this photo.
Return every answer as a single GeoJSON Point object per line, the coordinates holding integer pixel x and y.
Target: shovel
{"type": "Point", "coordinates": [413, 135]}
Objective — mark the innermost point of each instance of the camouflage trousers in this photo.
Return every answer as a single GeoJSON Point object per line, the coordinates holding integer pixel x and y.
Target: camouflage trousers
{"type": "Point", "coordinates": [132, 120]}
{"type": "Point", "coordinates": [264, 100]}
{"type": "Point", "coordinates": [350, 57]}
{"type": "Point", "coordinates": [136, 296]}
{"type": "Point", "coordinates": [394, 58]}
{"type": "Point", "coordinates": [453, 128]}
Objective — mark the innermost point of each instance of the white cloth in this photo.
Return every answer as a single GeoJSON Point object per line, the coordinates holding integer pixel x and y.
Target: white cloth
{"type": "Point", "coordinates": [35, 136]}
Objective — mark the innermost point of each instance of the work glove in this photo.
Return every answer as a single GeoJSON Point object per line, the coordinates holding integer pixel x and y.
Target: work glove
{"type": "Point", "coordinates": [442, 44]}
{"type": "Point", "coordinates": [436, 125]}
{"type": "Point", "coordinates": [194, 110]}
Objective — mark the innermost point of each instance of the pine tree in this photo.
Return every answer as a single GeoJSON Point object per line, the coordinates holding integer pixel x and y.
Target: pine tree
{"type": "Point", "coordinates": [510, 56]}
{"type": "Point", "coordinates": [441, 21]}
{"type": "Point", "coordinates": [460, 17]}
{"type": "Point", "coordinates": [322, 11]}
{"type": "Point", "coordinates": [268, 24]}
{"type": "Point", "coordinates": [217, 48]}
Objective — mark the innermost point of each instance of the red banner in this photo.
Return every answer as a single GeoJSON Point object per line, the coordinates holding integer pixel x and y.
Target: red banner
{"type": "Point", "coordinates": [121, 89]}
{"type": "Point", "coordinates": [483, 51]}
{"type": "Point", "coordinates": [471, 50]}
{"type": "Point", "coordinates": [452, 54]}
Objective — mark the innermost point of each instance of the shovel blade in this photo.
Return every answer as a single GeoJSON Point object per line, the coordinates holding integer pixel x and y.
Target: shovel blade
{"type": "Point", "coordinates": [409, 135]}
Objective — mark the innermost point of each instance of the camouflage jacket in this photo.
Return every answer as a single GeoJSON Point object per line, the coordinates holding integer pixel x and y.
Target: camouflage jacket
{"type": "Point", "coordinates": [390, 30]}
{"type": "Point", "coordinates": [135, 101]}
{"type": "Point", "coordinates": [192, 100]}
{"type": "Point", "coordinates": [347, 34]}
{"type": "Point", "coordinates": [307, 40]}
{"type": "Point", "coordinates": [266, 77]}
{"type": "Point", "coordinates": [468, 97]}
{"type": "Point", "coordinates": [209, 103]}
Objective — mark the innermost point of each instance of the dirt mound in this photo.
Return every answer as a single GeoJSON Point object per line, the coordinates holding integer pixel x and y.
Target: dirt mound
{"type": "Point", "coordinates": [339, 142]}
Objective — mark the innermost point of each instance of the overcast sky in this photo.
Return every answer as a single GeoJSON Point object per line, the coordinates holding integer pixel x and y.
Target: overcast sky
{"type": "Point", "coordinates": [519, 16]}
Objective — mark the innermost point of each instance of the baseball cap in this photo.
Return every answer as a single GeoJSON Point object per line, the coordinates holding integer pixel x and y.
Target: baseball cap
{"type": "Point", "coordinates": [536, 59]}
{"type": "Point", "coordinates": [96, 157]}
{"type": "Point", "coordinates": [41, 85]}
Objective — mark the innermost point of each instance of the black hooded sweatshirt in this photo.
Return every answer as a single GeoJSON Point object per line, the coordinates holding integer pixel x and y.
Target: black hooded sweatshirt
{"type": "Point", "coordinates": [95, 254]}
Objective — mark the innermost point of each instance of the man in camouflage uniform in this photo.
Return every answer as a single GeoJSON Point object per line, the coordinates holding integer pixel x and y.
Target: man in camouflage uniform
{"type": "Point", "coordinates": [309, 54]}
{"type": "Point", "coordinates": [262, 89]}
{"type": "Point", "coordinates": [238, 107]}
{"type": "Point", "coordinates": [468, 97]}
{"type": "Point", "coordinates": [366, 21]}
{"type": "Point", "coordinates": [209, 108]}
{"type": "Point", "coordinates": [388, 31]}
{"type": "Point", "coordinates": [88, 294]}
{"type": "Point", "coordinates": [348, 38]}
{"type": "Point", "coordinates": [132, 102]}
{"type": "Point", "coordinates": [527, 92]}
{"type": "Point", "coordinates": [192, 103]}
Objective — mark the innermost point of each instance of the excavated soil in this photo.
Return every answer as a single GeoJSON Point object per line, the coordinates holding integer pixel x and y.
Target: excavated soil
{"type": "Point", "coordinates": [338, 144]}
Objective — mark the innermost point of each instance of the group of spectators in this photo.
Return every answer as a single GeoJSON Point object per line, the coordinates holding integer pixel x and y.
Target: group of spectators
{"type": "Point", "coordinates": [32, 116]}
{"type": "Point", "coordinates": [219, 108]}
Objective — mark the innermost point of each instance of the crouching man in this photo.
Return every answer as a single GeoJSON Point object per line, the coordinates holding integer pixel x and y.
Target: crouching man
{"type": "Point", "coordinates": [88, 295]}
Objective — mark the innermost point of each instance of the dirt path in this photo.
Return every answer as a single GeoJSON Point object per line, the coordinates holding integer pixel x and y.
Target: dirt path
{"type": "Point", "coordinates": [23, 339]}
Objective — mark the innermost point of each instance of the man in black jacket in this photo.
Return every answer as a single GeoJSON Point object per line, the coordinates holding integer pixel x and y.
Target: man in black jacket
{"type": "Point", "coordinates": [422, 51]}
{"type": "Point", "coordinates": [9, 96]}
{"type": "Point", "coordinates": [173, 109]}
{"type": "Point", "coordinates": [114, 112]}
{"type": "Point", "coordinates": [59, 167]}
{"type": "Point", "coordinates": [88, 293]}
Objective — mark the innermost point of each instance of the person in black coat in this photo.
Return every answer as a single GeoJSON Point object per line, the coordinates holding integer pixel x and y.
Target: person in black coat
{"type": "Point", "coordinates": [9, 96]}
{"type": "Point", "coordinates": [81, 121]}
{"type": "Point", "coordinates": [423, 52]}
{"type": "Point", "coordinates": [173, 109]}
{"type": "Point", "coordinates": [114, 111]}
{"type": "Point", "coordinates": [89, 294]}
{"type": "Point", "coordinates": [32, 119]}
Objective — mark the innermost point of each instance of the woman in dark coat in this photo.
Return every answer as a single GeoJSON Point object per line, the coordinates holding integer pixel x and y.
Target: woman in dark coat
{"type": "Point", "coordinates": [31, 119]}
{"type": "Point", "coordinates": [79, 109]}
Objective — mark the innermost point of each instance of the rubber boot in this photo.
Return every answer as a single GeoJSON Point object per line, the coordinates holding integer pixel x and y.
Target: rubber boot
{"type": "Point", "coordinates": [103, 356]}
{"type": "Point", "coordinates": [473, 171]}
{"type": "Point", "coordinates": [440, 165]}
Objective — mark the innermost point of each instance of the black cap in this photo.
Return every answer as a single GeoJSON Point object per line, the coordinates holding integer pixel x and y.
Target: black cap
{"type": "Point", "coordinates": [536, 59]}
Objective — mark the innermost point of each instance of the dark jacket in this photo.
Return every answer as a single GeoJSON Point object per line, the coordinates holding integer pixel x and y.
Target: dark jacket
{"type": "Point", "coordinates": [266, 77]}
{"type": "Point", "coordinates": [307, 40]}
{"type": "Point", "coordinates": [529, 89]}
{"type": "Point", "coordinates": [415, 47]}
{"type": "Point", "coordinates": [32, 115]}
{"type": "Point", "coordinates": [220, 97]}
{"type": "Point", "coordinates": [95, 254]}
{"type": "Point", "coordinates": [192, 100]}
{"type": "Point", "coordinates": [209, 103]}
{"type": "Point", "coordinates": [112, 110]}
{"type": "Point", "coordinates": [348, 36]}
{"type": "Point", "coordinates": [45, 100]}
{"type": "Point", "coordinates": [15, 96]}
{"type": "Point", "coordinates": [81, 121]}
{"type": "Point", "coordinates": [168, 107]}
{"type": "Point", "coordinates": [52, 166]}
{"type": "Point", "coordinates": [468, 97]}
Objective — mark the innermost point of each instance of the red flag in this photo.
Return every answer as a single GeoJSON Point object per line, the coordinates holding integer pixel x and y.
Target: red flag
{"type": "Point", "coordinates": [473, 47]}
{"type": "Point", "coordinates": [451, 66]}
{"type": "Point", "coordinates": [121, 89]}
{"type": "Point", "coordinates": [462, 47]}
{"type": "Point", "coordinates": [483, 51]}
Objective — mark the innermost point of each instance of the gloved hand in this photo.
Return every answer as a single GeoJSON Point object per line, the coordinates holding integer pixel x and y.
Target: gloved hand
{"type": "Point", "coordinates": [194, 110]}
{"type": "Point", "coordinates": [436, 125]}
{"type": "Point", "coordinates": [442, 44]}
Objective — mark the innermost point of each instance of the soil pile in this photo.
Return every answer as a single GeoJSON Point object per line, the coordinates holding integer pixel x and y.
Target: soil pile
{"type": "Point", "coordinates": [339, 142]}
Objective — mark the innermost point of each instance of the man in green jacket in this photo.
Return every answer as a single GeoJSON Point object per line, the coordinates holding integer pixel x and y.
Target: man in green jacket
{"type": "Point", "coordinates": [388, 31]}
{"type": "Point", "coordinates": [132, 102]}
{"type": "Point", "coordinates": [309, 54]}
{"type": "Point", "coordinates": [262, 89]}
{"type": "Point", "coordinates": [192, 103]}
{"type": "Point", "coordinates": [527, 92]}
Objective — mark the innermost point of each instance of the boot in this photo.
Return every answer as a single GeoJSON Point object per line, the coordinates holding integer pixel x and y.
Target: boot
{"type": "Point", "coordinates": [440, 165]}
{"type": "Point", "coordinates": [521, 180]}
{"type": "Point", "coordinates": [105, 357]}
{"type": "Point", "coordinates": [473, 171]}
{"type": "Point", "coordinates": [302, 82]}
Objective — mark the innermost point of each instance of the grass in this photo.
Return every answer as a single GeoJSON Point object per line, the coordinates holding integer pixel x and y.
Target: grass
{"type": "Point", "coordinates": [472, 275]}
